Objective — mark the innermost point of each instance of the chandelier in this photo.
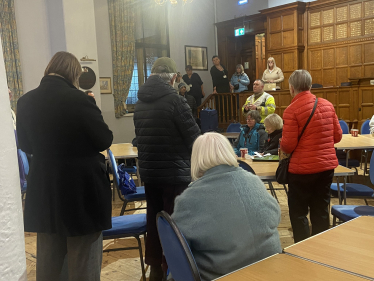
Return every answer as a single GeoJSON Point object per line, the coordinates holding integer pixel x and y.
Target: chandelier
{"type": "Point", "coordinates": [172, 2]}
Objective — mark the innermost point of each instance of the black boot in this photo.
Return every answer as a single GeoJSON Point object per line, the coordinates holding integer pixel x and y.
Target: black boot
{"type": "Point", "coordinates": [156, 273]}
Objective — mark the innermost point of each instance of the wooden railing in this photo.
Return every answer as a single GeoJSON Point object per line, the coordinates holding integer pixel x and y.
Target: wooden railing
{"type": "Point", "coordinates": [354, 104]}
{"type": "Point", "coordinates": [227, 105]}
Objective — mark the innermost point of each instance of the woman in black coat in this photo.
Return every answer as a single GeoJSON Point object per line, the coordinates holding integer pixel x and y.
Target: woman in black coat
{"type": "Point", "coordinates": [221, 83]}
{"type": "Point", "coordinates": [68, 200]}
{"type": "Point", "coordinates": [274, 126]}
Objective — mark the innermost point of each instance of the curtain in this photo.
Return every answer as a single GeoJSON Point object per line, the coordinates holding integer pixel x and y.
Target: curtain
{"type": "Point", "coordinates": [122, 35]}
{"type": "Point", "coordinates": [9, 40]}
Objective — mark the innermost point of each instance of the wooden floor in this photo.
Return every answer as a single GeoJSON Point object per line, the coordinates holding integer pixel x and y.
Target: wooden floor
{"type": "Point", "coordinates": [125, 265]}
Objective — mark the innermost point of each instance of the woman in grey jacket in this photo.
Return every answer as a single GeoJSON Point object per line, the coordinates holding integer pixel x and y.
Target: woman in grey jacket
{"type": "Point", "coordinates": [226, 215]}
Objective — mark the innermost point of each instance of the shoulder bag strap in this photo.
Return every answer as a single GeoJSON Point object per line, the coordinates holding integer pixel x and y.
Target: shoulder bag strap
{"type": "Point", "coordinates": [310, 117]}
{"type": "Point", "coordinates": [307, 122]}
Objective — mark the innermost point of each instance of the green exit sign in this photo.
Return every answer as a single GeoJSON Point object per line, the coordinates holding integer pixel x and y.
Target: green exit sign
{"type": "Point", "coordinates": [239, 31]}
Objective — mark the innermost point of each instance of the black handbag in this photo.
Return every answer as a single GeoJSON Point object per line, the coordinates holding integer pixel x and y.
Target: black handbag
{"type": "Point", "coordinates": [282, 171]}
{"type": "Point", "coordinates": [236, 87]}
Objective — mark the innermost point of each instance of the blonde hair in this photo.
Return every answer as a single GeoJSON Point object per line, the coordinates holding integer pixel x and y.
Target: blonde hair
{"type": "Point", "coordinates": [267, 63]}
{"type": "Point", "coordinates": [210, 150]}
{"type": "Point", "coordinates": [300, 80]}
{"type": "Point", "coordinates": [66, 65]}
{"type": "Point", "coordinates": [274, 120]}
{"type": "Point", "coordinates": [241, 68]}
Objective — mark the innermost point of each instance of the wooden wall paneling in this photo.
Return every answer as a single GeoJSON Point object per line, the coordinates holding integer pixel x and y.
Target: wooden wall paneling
{"type": "Point", "coordinates": [331, 96]}
{"type": "Point", "coordinates": [283, 102]}
{"type": "Point", "coordinates": [341, 75]}
{"type": "Point", "coordinates": [344, 101]}
{"type": "Point", "coordinates": [367, 104]}
{"type": "Point", "coordinates": [355, 109]}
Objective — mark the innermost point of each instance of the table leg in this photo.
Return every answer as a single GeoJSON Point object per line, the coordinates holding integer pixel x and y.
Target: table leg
{"type": "Point", "coordinates": [137, 172]}
{"type": "Point", "coordinates": [345, 190]}
{"type": "Point", "coordinates": [337, 182]}
{"type": "Point", "coordinates": [346, 158]}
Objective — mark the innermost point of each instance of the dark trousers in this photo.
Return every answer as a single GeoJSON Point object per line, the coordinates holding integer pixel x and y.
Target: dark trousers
{"type": "Point", "coordinates": [64, 258]}
{"type": "Point", "coordinates": [160, 197]}
{"type": "Point", "coordinates": [309, 191]}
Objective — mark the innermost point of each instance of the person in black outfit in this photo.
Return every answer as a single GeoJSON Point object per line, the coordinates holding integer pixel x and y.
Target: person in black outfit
{"type": "Point", "coordinates": [220, 78]}
{"type": "Point", "coordinates": [190, 99]}
{"type": "Point", "coordinates": [274, 126]}
{"type": "Point", "coordinates": [165, 130]}
{"type": "Point", "coordinates": [195, 83]}
{"type": "Point", "coordinates": [68, 201]}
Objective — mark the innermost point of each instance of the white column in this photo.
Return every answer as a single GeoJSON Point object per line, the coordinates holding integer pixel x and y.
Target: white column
{"type": "Point", "coordinates": [12, 242]}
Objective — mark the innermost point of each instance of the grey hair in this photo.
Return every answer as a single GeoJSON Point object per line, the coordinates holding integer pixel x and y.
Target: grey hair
{"type": "Point", "coordinates": [167, 77]}
{"type": "Point", "coordinates": [254, 114]}
{"type": "Point", "coordinates": [262, 81]}
{"type": "Point", "coordinates": [300, 80]}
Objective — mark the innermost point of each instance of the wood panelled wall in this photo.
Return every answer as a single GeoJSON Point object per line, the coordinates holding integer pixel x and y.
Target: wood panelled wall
{"type": "Point", "coordinates": [332, 39]}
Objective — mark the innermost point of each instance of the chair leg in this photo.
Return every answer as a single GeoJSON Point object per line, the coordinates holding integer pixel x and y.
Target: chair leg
{"type": "Point", "coordinates": [366, 201]}
{"type": "Point", "coordinates": [366, 162]}
{"type": "Point", "coordinates": [273, 191]}
{"type": "Point", "coordinates": [285, 189]}
{"type": "Point", "coordinates": [123, 207]}
{"type": "Point", "coordinates": [141, 257]}
{"type": "Point", "coordinates": [362, 154]}
{"type": "Point", "coordinates": [334, 221]}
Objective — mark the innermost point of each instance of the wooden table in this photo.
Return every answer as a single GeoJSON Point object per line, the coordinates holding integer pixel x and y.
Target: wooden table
{"type": "Point", "coordinates": [349, 246]}
{"type": "Point", "coordinates": [231, 135]}
{"type": "Point", "coordinates": [349, 142]}
{"type": "Point", "coordinates": [283, 267]}
{"type": "Point", "coordinates": [125, 151]}
{"type": "Point", "coordinates": [266, 171]}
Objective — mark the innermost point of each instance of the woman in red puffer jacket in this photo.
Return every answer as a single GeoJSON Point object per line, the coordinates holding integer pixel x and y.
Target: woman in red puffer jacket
{"type": "Point", "coordinates": [313, 161]}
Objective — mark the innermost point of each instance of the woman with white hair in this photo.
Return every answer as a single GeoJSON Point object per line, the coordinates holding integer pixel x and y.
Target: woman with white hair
{"type": "Point", "coordinates": [273, 124]}
{"type": "Point", "coordinates": [226, 215]}
{"type": "Point", "coordinates": [272, 73]}
{"type": "Point", "coordinates": [313, 161]}
{"type": "Point", "coordinates": [239, 81]}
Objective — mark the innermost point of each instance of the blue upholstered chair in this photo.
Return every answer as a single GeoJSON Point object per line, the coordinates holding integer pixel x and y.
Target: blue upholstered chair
{"type": "Point", "coordinates": [365, 130]}
{"type": "Point", "coordinates": [178, 254]}
{"type": "Point", "coordinates": [23, 165]}
{"type": "Point", "coordinates": [352, 163]}
{"type": "Point", "coordinates": [138, 196]}
{"type": "Point", "coordinates": [355, 190]}
{"type": "Point", "coordinates": [126, 226]}
{"type": "Point", "coordinates": [233, 128]}
{"type": "Point", "coordinates": [348, 212]}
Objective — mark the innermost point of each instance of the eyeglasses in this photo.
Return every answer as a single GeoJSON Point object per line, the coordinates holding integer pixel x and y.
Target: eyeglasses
{"type": "Point", "coordinates": [250, 119]}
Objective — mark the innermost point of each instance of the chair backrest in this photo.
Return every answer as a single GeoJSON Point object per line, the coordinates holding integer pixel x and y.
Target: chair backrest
{"type": "Point", "coordinates": [246, 167]}
{"type": "Point", "coordinates": [178, 254]}
{"type": "Point", "coordinates": [344, 126]}
{"type": "Point", "coordinates": [365, 128]}
{"type": "Point", "coordinates": [371, 168]}
{"type": "Point", "coordinates": [314, 86]}
{"type": "Point", "coordinates": [113, 165]}
{"type": "Point", "coordinates": [233, 128]}
{"type": "Point", "coordinates": [23, 166]}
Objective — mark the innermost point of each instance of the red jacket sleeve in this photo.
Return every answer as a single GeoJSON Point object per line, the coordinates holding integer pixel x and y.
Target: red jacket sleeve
{"type": "Point", "coordinates": [290, 132]}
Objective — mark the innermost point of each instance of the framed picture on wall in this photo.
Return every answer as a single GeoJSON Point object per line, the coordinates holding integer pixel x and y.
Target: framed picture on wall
{"type": "Point", "coordinates": [197, 57]}
{"type": "Point", "coordinates": [105, 85]}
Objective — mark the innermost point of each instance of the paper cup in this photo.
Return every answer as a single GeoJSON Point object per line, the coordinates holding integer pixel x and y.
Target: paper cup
{"type": "Point", "coordinates": [355, 132]}
{"type": "Point", "coordinates": [243, 152]}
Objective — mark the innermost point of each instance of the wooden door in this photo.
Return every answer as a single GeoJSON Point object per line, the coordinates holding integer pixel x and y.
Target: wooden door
{"type": "Point", "coordinates": [260, 56]}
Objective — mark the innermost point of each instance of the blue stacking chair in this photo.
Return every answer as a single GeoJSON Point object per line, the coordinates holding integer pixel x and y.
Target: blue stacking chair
{"type": "Point", "coordinates": [352, 163]}
{"type": "Point", "coordinates": [179, 258]}
{"type": "Point", "coordinates": [348, 212]}
{"type": "Point", "coordinates": [138, 196]}
{"type": "Point", "coordinates": [233, 128]}
{"type": "Point", "coordinates": [126, 226]}
{"type": "Point", "coordinates": [355, 190]}
{"type": "Point", "coordinates": [23, 164]}
{"type": "Point", "coordinates": [365, 130]}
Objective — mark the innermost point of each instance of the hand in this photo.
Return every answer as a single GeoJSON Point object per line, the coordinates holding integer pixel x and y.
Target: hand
{"type": "Point", "coordinates": [203, 93]}
{"type": "Point", "coordinates": [252, 107]}
{"type": "Point", "coordinates": [91, 95]}
{"type": "Point", "coordinates": [262, 154]}
{"type": "Point", "coordinates": [231, 87]}
{"type": "Point", "coordinates": [271, 81]}
{"type": "Point", "coordinates": [246, 108]}
{"type": "Point", "coordinates": [238, 80]}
